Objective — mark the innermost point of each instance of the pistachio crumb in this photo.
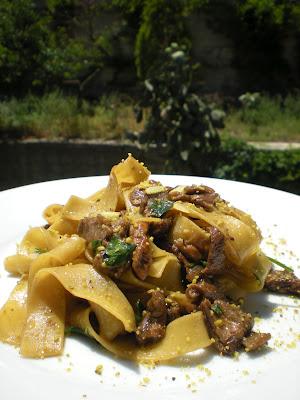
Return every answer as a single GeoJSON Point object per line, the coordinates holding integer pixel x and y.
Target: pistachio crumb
{"type": "Point", "coordinates": [99, 369]}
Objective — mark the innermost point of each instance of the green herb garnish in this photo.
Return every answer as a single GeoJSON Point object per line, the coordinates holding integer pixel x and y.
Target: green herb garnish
{"type": "Point", "coordinates": [117, 252]}
{"type": "Point", "coordinates": [159, 207]}
{"type": "Point", "coordinates": [139, 308]}
{"type": "Point", "coordinates": [280, 264]}
{"type": "Point", "coordinates": [200, 263]}
{"type": "Point", "coordinates": [74, 329]}
{"type": "Point", "coordinates": [257, 277]}
{"type": "Point", "coordinates": [95, 244]}
{"type": "Point", "coordinates": [217, 309]}
{"type": "Point", "coordinates": [38, 250]}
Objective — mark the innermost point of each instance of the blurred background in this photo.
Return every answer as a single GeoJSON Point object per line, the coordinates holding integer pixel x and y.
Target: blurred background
{"type": "Point", "coordinates": [198, 87]}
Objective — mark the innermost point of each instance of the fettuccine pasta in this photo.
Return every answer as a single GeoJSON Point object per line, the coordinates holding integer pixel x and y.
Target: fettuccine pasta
{"type": "Point", "coordinates": [148, 271]}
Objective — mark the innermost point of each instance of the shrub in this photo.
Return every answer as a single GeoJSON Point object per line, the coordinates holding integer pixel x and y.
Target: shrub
{"type": "Point", "coordinates": [262, 118]}
{"type": "Point", "coordinates": [159, 23]}
{"type": "Point", "coordinates": [40, 47]}
{"type": "Point", "coordinates": [55, 115]}
{"type": "Point", "coordinates": [239, 161]}
{"type": "Point", "coordinates": [23, 36]}
{"type": "Point", "coordinates": [178, 117]}
{"type": "Point", "coordinates": [262, 112]}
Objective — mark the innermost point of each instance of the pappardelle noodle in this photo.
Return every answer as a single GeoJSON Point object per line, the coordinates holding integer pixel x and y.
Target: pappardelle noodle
{"type": "Point", "coordinates": [149, 271]}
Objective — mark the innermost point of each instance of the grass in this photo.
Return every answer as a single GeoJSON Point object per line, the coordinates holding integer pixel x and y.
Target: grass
{"type": "Point", "coordinates": [270, 119]}
{"type": "Point", "coordinates": [57, 116]}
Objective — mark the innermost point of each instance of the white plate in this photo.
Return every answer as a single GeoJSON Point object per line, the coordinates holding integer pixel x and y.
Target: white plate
{"type": "Point", "coordinates": [267, 375]}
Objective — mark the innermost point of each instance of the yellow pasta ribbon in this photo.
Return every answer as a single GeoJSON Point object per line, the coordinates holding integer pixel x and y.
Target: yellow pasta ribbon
{"type": "Point", "coordinates": [63, 254]}
{"type": "Point", "coordinates": [13, 314]}
{"type": "Point", "coordinates": [183, 335]}
{"type": "Point", "coordinates": [43, 334]}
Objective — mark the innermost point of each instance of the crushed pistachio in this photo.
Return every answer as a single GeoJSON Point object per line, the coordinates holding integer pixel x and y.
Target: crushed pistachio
{"type": "Point", "coordinates": [155, 189]}
{"type": "Point", "coordinates": [218, 322]}
{"type": "Point", "coordinates": [145, 381]}
{"type": "Point", "coordinates": [99, 369]}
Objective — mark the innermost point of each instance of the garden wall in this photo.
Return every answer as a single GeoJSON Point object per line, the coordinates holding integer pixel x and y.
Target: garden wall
{"type": "Point", "coordinates": [31, 161]}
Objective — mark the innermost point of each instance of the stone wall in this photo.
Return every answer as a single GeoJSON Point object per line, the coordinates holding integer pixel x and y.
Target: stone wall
{"type": "Point", "coordinates": [32, 161]}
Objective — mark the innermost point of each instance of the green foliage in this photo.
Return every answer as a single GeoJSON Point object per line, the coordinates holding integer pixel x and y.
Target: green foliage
{"type": "Point", "coordinates": [291, 106]}
{"type": "Point", "coordinates": [177, 116]}
{"type": "Point", "coordinates": [55, 115]}
{"type": "Point", "coordinates": [42, 44]}
{"type": "Point", "coordinates": [276, 12]}
{"type": "Point", "coordinates": [23, 36]}
{"type": "Point", "coordinates": [241, 162]}
{"type": "Point", "coordinates": [43, 115]}
{"type": "Point", "coordinates": [40, 47]}
{"type": "Point", "coordinates": [249, 100]}
{"type": "Point", "coordinates": [261, 8]}
{"type": "Point", "coordinates": [159, 23]}
{"type": "Point", "coordinates": [261, 111]}
{"type": "Point", "coordinates": [265, 118]}
{"type": "Point", "coordinates": [258, 29]}
{"type": "Point", "coordinates": [163, 22]}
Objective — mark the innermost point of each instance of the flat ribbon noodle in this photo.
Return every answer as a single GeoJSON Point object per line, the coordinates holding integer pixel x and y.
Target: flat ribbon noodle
{"type": "Point", "coordinates": [64, 226]}
{"type": "Point", "coordinates": [43, 334]}
{"type": "Point", "coordinates": [18, 264]}
{"type": "Point", "coordinates": [13, 314]}
{"type": "Point", "coordinates": [44, 331]}
{"type": "Point", "coordinates": [35, 241]}
{"type": "Point", "coordinates": [52, 212]}
{"type": "Point", "coordinates": [123, 176]}
{"type": "Point", "coordinates": [187, 230]}
{"type": "Point", "coordinates": [183, 335]}
{"type": "Point", "coordinates": [109, 324]}
{"type": "Point", "coordinates": [253, 272]}
{"type": "Point", "coordinates": [164, 272]}
{"type": "Point", "coordinates": [63, 254]}
{"type": "Point", "coordinates": [243, 241]}
{"type": "Point", "coordinates": [96, 196]}
{"type": "Point", "coordinates": [237, 213]}
{"type": "Point", "coordinates": [75, 209]}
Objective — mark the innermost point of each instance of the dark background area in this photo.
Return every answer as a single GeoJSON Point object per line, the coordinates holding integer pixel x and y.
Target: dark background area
{"type": "Point", "coordinates": [193, 78]}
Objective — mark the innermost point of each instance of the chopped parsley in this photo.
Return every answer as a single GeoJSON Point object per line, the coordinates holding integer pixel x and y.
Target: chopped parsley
{"type": "Point", "coordinates": [95, 244]}
{"type": "Point", "coordinates": [217, 309]}
{"type": "Point", "coordinates": [75, 329]}
{"type": "Point", "coordinates": [200, 263]}
{"type": "Point", "coordinates": [280, 264]}
{"type": "Point", "coordinates": [139, 308]}
{"type": "Point", "coordinates": [117, 252]}
{"type": "Point", "coordinates": [38, 250]}
{"type": "Point", "coordinates": [159, 207]}
{"type": "Point", "coordinates": [257, 277]}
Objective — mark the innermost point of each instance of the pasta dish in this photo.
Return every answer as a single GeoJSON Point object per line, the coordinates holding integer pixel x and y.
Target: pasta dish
{"type": "Point", "coordinates": [150, 272]}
